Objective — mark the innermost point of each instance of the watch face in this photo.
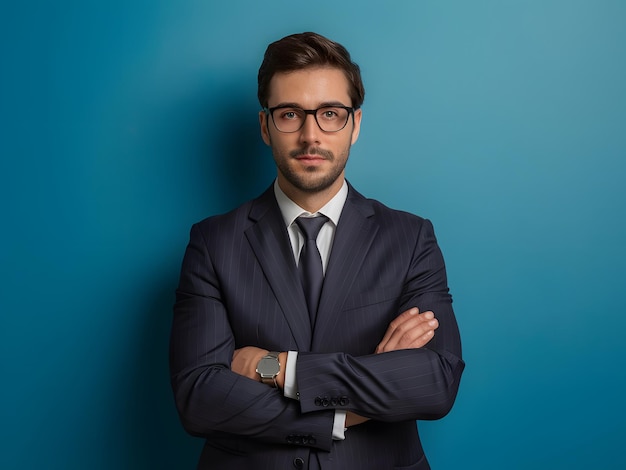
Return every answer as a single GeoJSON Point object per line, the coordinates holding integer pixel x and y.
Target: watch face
{"type": "Point", "coordinates": [268, 367]}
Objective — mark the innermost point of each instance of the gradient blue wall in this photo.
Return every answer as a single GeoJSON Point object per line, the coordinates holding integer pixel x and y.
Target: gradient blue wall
{"type": "Point", "coordinates": [123, 122]}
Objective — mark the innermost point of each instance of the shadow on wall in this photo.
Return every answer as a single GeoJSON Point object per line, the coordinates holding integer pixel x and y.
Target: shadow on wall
{"type": "Point", "coordinates": [226, 161]}
{"type": "Point", "coordinates": [214, 150]}
{"type": "Point", "coordinates": [242, 159]}
{"type": "Point", "coordinates": [163, 443]}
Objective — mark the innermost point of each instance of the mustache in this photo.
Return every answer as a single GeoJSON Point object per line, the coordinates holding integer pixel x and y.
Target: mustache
{"type": "Point", "coordinates": [327, 154]}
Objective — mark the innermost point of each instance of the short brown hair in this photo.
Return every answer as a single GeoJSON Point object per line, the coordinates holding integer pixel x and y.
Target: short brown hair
{"type": "Point", "coordinates": [304, 50]}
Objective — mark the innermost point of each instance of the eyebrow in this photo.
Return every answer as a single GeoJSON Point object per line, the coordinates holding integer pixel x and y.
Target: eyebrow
{"type": "Point", "coordinates": [325, 104]}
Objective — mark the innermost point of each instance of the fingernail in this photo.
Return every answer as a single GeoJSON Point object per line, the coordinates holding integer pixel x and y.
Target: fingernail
{"type": "Point", "coordinates": [429, 315]}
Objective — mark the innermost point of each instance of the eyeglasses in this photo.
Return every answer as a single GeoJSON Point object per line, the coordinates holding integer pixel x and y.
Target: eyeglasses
{"type": "Point", "coordinates": [291, 119]}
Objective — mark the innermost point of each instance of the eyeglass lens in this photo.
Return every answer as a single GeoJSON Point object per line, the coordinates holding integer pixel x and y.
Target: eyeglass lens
{"type": "Point", "coordinates": [329, 119]}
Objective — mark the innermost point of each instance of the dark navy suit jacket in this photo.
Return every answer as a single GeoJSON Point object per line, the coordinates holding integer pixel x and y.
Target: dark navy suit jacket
{"type": "Point", "coordinates": [239, 286]}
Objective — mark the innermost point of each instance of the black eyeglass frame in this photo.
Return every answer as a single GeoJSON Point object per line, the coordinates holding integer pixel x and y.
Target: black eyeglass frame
{"type": "Point", "coordinates": [270, 112]}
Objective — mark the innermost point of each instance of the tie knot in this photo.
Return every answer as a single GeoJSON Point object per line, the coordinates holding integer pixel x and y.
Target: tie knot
{"type": "Point", "coordinates": [311, 226]}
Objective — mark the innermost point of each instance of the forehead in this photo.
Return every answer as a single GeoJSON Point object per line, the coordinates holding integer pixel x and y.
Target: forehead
{"type": "Point", "coordinates": [310, 87]}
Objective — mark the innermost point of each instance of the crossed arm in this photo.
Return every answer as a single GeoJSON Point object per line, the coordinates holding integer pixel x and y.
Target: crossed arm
{"type": "Point", "coordinates": [410, 330]}
{"type": "Point", "coordinates": [400, 380]}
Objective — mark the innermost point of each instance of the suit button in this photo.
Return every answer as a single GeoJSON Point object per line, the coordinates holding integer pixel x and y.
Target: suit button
{"type": "Point", "coordinates": [343, 401]}
{"type": "Point", "coordinates": [318, 401]}
{"type": "Point", "coordinates": [325, 401]}
{"type": "Point", "coordinates": [298, 463]}
{"type": "Point", "coordinates": [333, 401]}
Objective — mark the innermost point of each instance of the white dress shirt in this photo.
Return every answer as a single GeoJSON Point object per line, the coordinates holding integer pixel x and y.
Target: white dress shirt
{"type": "Point", "coordinates": [290, 212]}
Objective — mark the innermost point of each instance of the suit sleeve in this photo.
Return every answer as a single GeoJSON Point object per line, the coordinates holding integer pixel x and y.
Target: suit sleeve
{"type": "Point", "coordinates": [210, 398]}
{"type": "Point", "coordinates": [398, 385]}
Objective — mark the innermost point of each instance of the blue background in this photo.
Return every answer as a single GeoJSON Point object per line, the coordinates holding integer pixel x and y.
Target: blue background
{"type": "Point", "coordinates": [123, 122]}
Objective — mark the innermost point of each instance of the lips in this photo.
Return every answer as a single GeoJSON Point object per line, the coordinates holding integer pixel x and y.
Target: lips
{"type": "Point", "coordinates": [312, 155]}
{"type": "Point", "coordinates": [311, 161]}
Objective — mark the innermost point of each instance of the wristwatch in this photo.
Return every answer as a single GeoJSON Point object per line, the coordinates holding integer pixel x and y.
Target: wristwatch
{"type": "Point", "coordinates": [268, 368]}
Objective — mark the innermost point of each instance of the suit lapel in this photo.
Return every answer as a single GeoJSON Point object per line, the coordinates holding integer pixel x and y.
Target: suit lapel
{"type": "Point", "coordinates": [269, 240]}
{"type": "Point", "coordinates": [355, 233]}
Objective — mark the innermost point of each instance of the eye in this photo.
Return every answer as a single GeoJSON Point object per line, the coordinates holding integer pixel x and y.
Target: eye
{"type": "Point", "coordinates": [331, 114]}
{"type": "Point", "coordinates": [289, 114]}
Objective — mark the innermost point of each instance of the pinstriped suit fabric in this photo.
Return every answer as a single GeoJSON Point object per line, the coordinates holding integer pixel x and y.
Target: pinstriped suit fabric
{"type": "Point", "coordinates": [239, 286]}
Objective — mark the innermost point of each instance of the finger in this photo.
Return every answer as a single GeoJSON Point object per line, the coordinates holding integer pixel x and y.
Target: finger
{"type": "Point", "coordinates": [408, 335]}
{"type": "Point", "coordinates": [398, 321]}
{"type": "Point", "coordinates": [401, 326]}
{"type": "Point", "coordinates": [404, 322]}
{"type": "Point", "coordinates": [415, 339]}
{"type": "Point", "coordinates": [423, 340]}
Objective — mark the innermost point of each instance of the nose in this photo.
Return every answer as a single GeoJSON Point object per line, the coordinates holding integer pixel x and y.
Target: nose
{"type": "Point", "coordinates": [310, 132]}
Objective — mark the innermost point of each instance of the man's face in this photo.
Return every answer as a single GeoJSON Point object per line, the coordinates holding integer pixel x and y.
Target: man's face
{"type": "Point", "coordinates": [310, 160]}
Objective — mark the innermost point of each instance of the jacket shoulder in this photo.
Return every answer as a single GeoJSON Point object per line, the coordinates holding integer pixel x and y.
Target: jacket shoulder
{"type": "Point", "coordinates": [239, 218]}
{"type": "Point", "coordinates": [373, 207]}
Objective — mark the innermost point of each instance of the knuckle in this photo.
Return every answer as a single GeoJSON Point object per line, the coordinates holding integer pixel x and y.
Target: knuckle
{"type": "Point", "coordinates": [406, 339]}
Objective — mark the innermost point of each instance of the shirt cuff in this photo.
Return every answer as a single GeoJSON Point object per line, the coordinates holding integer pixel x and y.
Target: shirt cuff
{"type": "Point", "coordinates": [290, 388]}
{"type": "Point", "coordinates": [339, 425]}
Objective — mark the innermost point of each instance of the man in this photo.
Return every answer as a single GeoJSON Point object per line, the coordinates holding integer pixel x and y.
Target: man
{"type": "Point", "coordinates": [316, 351]}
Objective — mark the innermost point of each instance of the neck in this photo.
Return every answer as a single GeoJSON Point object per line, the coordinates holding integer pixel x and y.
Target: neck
{"type": "Point", "coordinates": [311, 201]}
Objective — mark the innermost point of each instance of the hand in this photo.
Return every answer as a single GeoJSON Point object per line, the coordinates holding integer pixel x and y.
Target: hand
{"type": "Point", "coordinates": [246, 359]}
{"type": "Point", "coordinates": [409, 330]}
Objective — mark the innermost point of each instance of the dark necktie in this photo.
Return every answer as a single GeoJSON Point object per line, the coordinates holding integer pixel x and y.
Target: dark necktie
{"type": "Point", "coordinates": [310, 264]}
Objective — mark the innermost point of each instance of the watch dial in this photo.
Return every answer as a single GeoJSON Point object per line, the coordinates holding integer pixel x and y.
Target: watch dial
{"type": "Point", "coordinates": [268, 366]}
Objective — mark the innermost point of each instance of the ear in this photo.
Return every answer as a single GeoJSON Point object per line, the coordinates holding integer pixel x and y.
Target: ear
{"type": "Point", "coordinates": [358, 114]}
{"type": "Point", "coordinates": [265, 132]}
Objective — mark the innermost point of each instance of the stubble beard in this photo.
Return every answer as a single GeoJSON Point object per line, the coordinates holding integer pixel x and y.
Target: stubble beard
{"type": "Point", "coordinates": [313, 179]}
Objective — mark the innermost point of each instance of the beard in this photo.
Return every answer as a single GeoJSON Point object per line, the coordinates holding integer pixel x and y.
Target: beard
{"type": "Point", "coordinates": [312, 179]}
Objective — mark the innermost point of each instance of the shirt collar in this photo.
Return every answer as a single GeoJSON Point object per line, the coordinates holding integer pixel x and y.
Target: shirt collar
{"type": "Point", "coordinates": [291, 211]}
